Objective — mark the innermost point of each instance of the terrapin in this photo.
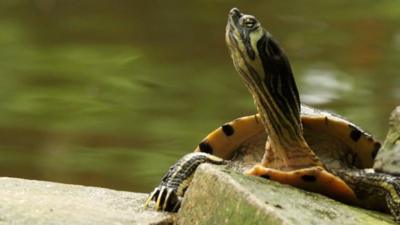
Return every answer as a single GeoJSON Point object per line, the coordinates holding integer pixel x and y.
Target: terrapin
{"type": "Point", "coordinates": [296, 145]}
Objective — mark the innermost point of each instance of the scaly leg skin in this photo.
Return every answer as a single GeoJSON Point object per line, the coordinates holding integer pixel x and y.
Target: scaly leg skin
{"type": "Point", "coordinates": [314, 179]}
{"type": "Point", "coordinates": [374, 190]}
{"type": "Point", "coordinates": [168, 195]}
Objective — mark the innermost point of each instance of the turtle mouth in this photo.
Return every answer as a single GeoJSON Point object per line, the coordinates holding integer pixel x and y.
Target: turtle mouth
{"type": "Point", "coordinates": [233, 26]}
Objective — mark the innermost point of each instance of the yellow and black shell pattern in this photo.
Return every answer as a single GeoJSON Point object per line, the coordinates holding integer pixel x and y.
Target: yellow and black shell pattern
{"type": "Point", "coordinates": [338, 142]}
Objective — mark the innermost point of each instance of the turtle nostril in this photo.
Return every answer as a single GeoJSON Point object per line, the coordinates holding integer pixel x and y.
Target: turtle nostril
{"type": "Point", "coordinates": [234, 11]}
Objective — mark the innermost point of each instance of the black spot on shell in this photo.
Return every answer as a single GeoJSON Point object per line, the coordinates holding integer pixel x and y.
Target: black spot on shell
{"type": "Point", "coordinates": [278, 206]}
{"type": "Point", "coordinates": [355, 135]}
{"type": "Point", "coordinates": [266, 176]}
{"type": "Point", "coordinates": [374, 152]}
{"type": "Point", "coordinates": [227, 129]}
{"type": "Point", "coordinates": [308, 178]}
{"type": "Point", "coordinates": [206, 147]}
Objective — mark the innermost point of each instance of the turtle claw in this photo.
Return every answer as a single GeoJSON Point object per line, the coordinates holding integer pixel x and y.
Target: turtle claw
{"type": "Point", "coordinates": [151, 196]}
{"type": "Point", "coordinates": [165, 199]}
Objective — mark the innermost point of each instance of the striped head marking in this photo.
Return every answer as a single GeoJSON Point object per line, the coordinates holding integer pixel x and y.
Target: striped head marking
{"type": "Point", "coordinates": [242, 32]}
{"type": "Point", "coordinates": [266, 72]}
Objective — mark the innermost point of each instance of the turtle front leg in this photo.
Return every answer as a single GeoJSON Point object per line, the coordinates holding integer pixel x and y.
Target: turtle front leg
{"type": "Point", "coordinates": [314, 179]}
{"type": "Point", "coordinates": [168, 195]}
{"type": "Point", "coordinates": [305, 171]}
{"type": "Point", "coordinates": [377, 191]}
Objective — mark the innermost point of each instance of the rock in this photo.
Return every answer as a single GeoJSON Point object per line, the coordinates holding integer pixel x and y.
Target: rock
{"type": "Point", "coordinates": [39, 202]}
{"type": "Point", "coordinates": [219, 196]}
{"type": "Point", "coordinates": [388, 158]}
{"type": "Point", "coordinates": [216, 196]}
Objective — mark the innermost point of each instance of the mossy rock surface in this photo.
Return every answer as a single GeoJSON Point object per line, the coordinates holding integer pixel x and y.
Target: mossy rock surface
{"type": "Point", "coordinates": [219, 196]}
{"type": "Point", "coordinates": [33, 202]}
{"type": "Point", "coordinates": [216, 196]}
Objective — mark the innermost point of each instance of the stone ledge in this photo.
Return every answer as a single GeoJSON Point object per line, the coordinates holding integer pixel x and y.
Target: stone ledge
{"type": "Point", "coordinates": [39, 202]}
{"type": "Point", "coordinates": [218, 196]}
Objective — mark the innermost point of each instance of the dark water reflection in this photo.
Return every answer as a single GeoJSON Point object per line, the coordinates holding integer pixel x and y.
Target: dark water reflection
{"type": "Point", "coordinates": [110, 93]}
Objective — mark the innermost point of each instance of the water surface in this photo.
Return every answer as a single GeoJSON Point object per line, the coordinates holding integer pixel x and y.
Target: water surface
{"type": "Point", "coordinates": [111, 93]}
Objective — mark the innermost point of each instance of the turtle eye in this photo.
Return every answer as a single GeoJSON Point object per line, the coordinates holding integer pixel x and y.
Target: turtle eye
{"type": "Point", "coordinates": [249, 22]}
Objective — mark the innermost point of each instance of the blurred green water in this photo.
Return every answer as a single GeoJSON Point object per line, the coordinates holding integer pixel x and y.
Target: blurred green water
{"type": "Point", "coordinates": [111, 93]}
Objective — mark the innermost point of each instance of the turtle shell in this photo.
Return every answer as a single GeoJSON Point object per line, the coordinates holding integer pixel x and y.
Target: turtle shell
{"type": "Point", "coordinates": [336, 141]}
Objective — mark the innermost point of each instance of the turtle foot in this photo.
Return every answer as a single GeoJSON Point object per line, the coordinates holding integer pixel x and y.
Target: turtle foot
{"type": "Point", "coordinates": [167, 196]}
{"type": "Point", "coordinates": [165, 199]}
{"type": "Point", "coordinates": [314, 179]}
{"type": "Point", "coordinates": [375, 190]}
{"type": "Point", "coordinates": [393, 197]}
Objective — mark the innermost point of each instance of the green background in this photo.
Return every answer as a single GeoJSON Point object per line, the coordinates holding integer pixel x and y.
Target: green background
{"type": "Point", "coordinates": [111, 93]}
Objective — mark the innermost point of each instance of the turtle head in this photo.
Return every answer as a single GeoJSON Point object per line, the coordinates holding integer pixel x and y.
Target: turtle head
{"type": "Point", "coordinates": [242, 33]}
{"type": "Point", "coordinates": [263, 65]}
